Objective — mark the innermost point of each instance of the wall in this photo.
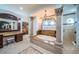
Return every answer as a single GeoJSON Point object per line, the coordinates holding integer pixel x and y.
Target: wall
{"type": "Point", "coordinates": [49, 27]}
{"type": "Point", "coordinates": [68, 31]}
{"type": "Point", "coordinates": [77, 27]}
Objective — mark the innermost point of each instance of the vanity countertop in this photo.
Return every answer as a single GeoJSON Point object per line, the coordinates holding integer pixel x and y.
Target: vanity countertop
{"type": "Point", "coordinates": [10, 33]}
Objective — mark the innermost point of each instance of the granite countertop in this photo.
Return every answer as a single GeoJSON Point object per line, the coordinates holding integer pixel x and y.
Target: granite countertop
{"type": "Point", "coordinates": [10, 33]}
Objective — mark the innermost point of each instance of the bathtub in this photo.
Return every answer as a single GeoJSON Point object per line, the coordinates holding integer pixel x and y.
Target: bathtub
{"type": "Point", "coordinates": [47, 39]}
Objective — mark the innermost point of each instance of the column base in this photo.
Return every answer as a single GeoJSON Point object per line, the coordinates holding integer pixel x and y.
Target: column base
{"type": "Point", "coordinates": [60, 44]}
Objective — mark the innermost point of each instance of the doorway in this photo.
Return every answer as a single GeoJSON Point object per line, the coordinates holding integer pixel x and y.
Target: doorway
{"type": "Point", "coordinates": [69, 39]}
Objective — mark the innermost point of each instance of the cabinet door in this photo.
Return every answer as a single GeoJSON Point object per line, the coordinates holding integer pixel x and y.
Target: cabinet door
{"type": "Point", "coordinates": [1, 41]}
{"type": "Point", "coordinates": [18, 37]}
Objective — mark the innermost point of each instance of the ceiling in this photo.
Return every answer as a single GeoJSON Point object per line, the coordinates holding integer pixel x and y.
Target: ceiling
{"type": "Point", "coordinates": [31, 7]}
{"type": "Point", "coordinates": [69, 8]}
{"type": "Point", "coordinates": [27, 9]}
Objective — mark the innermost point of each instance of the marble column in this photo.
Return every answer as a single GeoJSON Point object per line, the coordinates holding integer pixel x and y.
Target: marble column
{"type": "Point", "coordinates": [59, 28]}
{"type": "Point", "coordinates": [31, 25]}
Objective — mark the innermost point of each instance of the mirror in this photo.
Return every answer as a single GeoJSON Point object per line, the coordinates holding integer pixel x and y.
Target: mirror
{"type": "Point", "coordinates": [8, 25]}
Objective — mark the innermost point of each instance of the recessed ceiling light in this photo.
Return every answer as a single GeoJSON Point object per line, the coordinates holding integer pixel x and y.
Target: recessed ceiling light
{"type": "Point", "coordinates": [21, 8]}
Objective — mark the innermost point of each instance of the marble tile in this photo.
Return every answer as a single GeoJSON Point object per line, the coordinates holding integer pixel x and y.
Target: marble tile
{"type": "Point", "coordinates": [16, 47]}
{"type": "Point", "coordinates": [30, 50]}
{"type": "Point", "coordinates": [42, 50]}
{"type": "Point", "coordinates": [26, 47]}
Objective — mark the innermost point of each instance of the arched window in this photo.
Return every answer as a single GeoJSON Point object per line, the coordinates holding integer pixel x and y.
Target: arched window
{"type": "Point", "coordinates": [70, 21]}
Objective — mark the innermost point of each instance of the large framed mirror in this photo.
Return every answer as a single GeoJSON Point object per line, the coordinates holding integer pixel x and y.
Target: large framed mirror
{"type": "Point", "coordinates": [8, 23]}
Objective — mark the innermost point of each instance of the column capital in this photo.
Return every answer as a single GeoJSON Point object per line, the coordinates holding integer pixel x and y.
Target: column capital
{"type": "Point", "coordinates": [59, 11]}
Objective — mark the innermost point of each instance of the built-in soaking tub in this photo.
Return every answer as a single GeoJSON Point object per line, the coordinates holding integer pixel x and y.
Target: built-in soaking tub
{"type": "Point", "coordinates": [47, 39]}
{"type": "Point", "coordinates": [46, 42]}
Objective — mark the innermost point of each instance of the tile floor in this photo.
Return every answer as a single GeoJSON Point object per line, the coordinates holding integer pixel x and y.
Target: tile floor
{"type": "Point", "coordinates": [16, 47]}
{"type": "Point", "coordinates": [25, 47]}
{"type": "Point", "coordinates": [30, 50]}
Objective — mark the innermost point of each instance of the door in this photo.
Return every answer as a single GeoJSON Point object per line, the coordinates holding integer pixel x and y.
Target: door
{"type": "Point", "coordinates": [69, 30]}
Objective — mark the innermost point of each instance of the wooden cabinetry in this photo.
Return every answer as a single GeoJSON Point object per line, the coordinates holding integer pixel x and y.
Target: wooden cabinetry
{"type": "Point", "coordinates": [18, 37]}
{"type": "Point", "coordinates": [1, 41]}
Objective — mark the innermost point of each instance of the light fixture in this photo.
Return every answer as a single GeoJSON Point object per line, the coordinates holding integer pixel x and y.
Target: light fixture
{"type": "Point", "coordinates": [47, 21]}
{"type": "Point", "coordinates": [45, 16]}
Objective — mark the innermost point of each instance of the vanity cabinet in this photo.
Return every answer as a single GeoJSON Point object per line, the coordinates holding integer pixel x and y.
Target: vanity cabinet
{"type": "Point", "coordinates": [6, 36]}
{"type": "Point", "coordinates": [18, 37]}
{"type": "Point", "coordinates": [1, 41]}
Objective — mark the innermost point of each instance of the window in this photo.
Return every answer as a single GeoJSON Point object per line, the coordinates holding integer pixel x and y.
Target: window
{"type": "Point", "coordinates": [70, 21]}
{"type": "Point", "coordinates": [48, 23]}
